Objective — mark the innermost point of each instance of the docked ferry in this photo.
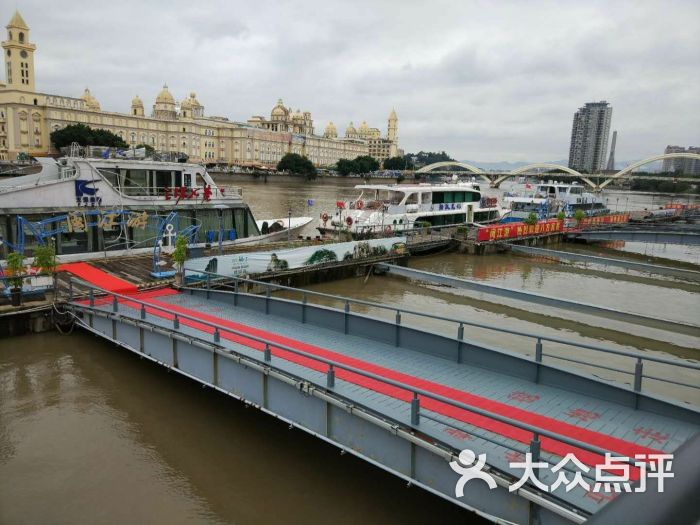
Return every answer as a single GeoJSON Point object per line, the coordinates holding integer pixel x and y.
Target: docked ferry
{"type": "Point", "coordinates": [382, 209]}
{"type": "Point", "coordinates": [550, 198]}
{"type": "Point", "coordinates": [98, 204]}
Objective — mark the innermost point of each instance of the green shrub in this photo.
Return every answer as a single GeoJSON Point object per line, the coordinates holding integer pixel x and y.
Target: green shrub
{"type": "Point", "coordinates": [531, 219]}
{"type": "Point", "coordinates": [15, 269]}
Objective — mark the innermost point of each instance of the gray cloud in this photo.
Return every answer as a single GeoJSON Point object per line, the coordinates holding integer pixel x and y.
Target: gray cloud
{"type": "Point", "coordinates": [483, 80]}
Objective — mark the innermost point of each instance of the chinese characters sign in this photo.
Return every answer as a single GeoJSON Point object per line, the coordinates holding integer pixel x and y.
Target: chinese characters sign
{"type": "Point", "coordinates": [185, 193]}
{"type": "Point", "coordinates": [618, 218]}
{"type": "Point", "coordinates": [514, 230]}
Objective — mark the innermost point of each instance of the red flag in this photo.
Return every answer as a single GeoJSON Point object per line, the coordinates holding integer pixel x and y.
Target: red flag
{"type": "Point", "coordinates": [340, 205]}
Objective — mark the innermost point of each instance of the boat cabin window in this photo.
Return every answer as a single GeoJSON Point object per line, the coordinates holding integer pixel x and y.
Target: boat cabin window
{"type": "Point", "coordinates": [134, 181]}
{"type": "Point", "coordinates": [440, 197]}
{"type": "Point", "coordinates": [576, 190]}
{"type": "Point", "coordinates": [187, 180]}
{"type": "Point", "coordinates": [111, 175]}
{"type": "Point", "coordinates": [412, 198]}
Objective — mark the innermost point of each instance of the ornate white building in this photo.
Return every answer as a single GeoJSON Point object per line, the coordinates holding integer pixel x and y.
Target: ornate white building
{"type": "Point", "coordinates": [27, 118]}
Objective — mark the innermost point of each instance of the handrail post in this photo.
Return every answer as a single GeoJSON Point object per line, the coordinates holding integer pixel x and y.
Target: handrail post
{"type": "Point", "coordinates": [176, 322]}
{"type": "Point", "coordinates": [638, 369]}
{"type": "Point", "coordinates": [330, 377]}
{"type": "Point", "coordinates": [235, 292]}
{"type": "Point", "coordinates": [346, 314]}
{"type": "Point", "coordinates": [115, 303]}
{"type": "Point", "coordinates": [415, 410]}
{"type": "Point", "coordinates": [143, 311]}
{"type": "Point", "coordinates": [460, 331]}
{"type": "Point", "coordinates": [303, 307]}
{"type": "Point", "coordinates": [208, 284]}
{"type": "Point", "coordinates": [267, 299]}
{"type": "Point", "coordinates": [267, 355]}
{"type": "Point", "coordinates": [398, 327]}
{"type": "Point", "coordinates": [91, 295]}
{"type": "Point", "coordinates": [538, 359]}
{"type": "Point", "coordinates": [535, 447]}
{"type": "Point", "coordinates": [217, 335]}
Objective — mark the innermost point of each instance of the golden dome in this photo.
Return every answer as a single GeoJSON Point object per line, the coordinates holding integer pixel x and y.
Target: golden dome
{"type": "Point", "coordinates": [330, 131]}
{"type": "Point", "coordinates": [165, 97]}
{"type": "Point", "coordinates": [90, 101]}
{"type": "Point", "coordinates": [350, 129]}
{"type": "Point", "coordinates": [279, 110]}
{"type": "Point", "coordinates": [363, 126]}
{"type": "Point", "coordinates": [186, 103]}
{"type": "Point", "coordinates": [136, 102]}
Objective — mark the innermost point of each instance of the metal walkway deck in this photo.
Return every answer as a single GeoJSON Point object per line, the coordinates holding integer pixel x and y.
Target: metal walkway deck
{"type": "Point", "coordinates": [404, 399]}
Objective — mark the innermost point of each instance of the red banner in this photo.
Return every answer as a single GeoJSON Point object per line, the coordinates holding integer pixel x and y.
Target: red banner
{"type": "Point", "coordinates": [514, 230]}
{"type": "Point", "coordinates": [603, 219]}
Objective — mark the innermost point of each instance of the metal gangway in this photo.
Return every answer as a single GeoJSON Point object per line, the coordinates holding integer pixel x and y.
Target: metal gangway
{"type": "Point", "coordinates": [406, 399]}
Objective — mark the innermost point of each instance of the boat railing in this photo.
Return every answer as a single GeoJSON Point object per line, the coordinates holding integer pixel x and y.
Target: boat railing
{"type": "Point", "coordinates": [636, 372]}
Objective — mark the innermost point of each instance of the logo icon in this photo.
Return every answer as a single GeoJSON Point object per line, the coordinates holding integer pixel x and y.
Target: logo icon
{"type": "Point", "coordinates": [468, 468]}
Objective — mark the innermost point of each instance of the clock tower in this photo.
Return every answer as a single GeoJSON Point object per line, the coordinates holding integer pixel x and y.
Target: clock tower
{"type": "Point", "coordinates": [19, 55]}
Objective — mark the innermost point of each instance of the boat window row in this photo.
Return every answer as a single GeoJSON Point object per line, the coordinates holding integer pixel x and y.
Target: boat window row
{"type": "Point", "coordinates": [139, 182]}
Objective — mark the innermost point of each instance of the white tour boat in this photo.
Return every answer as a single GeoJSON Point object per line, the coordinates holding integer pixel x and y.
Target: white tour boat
{"type": "Point", "coordinates": [388, 208]}
{"type": "Point", "coordinates": [548, 199]}
{"type": "Point", "coordinates": [90, 205]}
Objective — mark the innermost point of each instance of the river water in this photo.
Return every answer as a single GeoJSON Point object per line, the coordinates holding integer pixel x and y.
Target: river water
{"type": "Point", "coordinates": [92, 434]}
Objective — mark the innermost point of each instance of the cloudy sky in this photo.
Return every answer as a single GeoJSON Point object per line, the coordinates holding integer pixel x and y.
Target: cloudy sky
{"type": "Point", "coordinates": [482, 80]}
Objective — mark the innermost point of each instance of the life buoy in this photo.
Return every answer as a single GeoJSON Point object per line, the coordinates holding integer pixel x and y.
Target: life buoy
{"type": "Point", "coordinates": [387, 230]}
{"type": "Point", "coordinates": [359, 205]}
{"type": "Point", "coordinates": [348, 221]}
{"type": "Point", "coordinates": [324, 217]}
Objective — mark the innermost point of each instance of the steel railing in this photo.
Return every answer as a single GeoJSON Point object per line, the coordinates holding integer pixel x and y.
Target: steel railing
{"type": "Point", "coordinates": [637, 372]}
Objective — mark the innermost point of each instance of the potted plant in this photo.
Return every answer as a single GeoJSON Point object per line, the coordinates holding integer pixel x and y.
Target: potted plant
{"type": "Point", "coordinates": [579, 216]}
{"type": "Point", "coordinates": [15, 268]}
{"type": "Point", "coordinates": [179, 257]}
{"type": "Point", "coordinates": [45, 260]}
{"type": "Point", "coordinates": [531, 219]}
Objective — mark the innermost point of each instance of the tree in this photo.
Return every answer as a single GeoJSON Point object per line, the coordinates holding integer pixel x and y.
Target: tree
{"type": "Point", "coordinates": [579, 215]}
{"type": "Point", "coordinates": [86, 136]}
{"type": "Point", "coordinates": [395, 163]}
{"type": "Point", "coordinates": [366, 164]}
{"type": "Point", "coordinates": [423, 158]}
{"type": "Point", "coordinates": [297, 164]}
{"type": "Point", "coordinates": [45, 258]}
{"type": "Point", "coordinates": [345, 167]}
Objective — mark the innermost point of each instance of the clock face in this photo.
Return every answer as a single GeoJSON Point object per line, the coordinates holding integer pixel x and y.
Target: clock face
{"type": "Point", "coordinates": [23, 54]}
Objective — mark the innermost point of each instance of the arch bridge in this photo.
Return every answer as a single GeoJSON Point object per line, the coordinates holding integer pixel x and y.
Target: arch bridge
{"type": "Point", "coordinates": [495, 179]}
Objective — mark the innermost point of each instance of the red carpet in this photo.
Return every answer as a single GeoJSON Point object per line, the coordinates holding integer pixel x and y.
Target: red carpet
{"type": "Point", "coordinates": [98, 277]}
{"type": "Point", "coordinates": [605, 441]}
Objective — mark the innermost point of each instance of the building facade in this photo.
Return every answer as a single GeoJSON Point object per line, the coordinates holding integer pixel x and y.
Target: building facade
{"type": "Point", "coordinates": [589, 137]}
{"type": "Point", "coordinates": [684, 166]}
{"type": "Point", "coordinates": [28, 117]}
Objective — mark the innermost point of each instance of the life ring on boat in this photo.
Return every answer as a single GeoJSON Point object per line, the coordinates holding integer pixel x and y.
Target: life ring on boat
{"type": "Point", "coordinates": [387, 230]}
{"type": "Point", "coordinates": [324, 217]}
{"type": "Point", "coordinates": [348, 221]}
{"type": "Point", "coordinates": [359, 205]}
